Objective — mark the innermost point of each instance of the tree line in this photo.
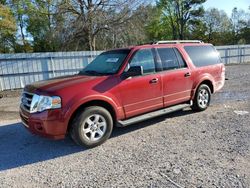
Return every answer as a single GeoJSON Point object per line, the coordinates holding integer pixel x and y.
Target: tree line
{"type": "Point", "coordinates": [73, 25]}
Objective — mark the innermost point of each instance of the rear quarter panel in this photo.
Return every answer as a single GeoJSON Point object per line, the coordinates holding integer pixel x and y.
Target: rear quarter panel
{"type": "Point", "coordinates": [213, 73]}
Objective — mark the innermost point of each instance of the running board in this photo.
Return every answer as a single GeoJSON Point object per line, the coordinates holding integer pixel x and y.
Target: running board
{"type": "Point", "coordinates": [123, 123]}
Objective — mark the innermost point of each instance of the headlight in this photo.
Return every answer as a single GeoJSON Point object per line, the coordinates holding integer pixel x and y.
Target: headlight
{"type": "Point", "coordinates": [40, 103]}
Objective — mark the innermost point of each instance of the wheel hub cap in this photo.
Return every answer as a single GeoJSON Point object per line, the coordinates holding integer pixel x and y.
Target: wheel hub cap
{"type": "Point", "coordinates": [94, 127]}
{"type": "Point", "coordinates": [203, 98]}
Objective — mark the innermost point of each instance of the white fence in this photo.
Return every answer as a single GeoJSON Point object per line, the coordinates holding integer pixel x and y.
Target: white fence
{"type": "Point", "coordinates": [234, 53]}
{"type": "Point", "coordinates": [17, 70]}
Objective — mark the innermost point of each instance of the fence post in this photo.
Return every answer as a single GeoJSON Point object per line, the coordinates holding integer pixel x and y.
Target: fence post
{"type": "Point", "coordinates": [226, 56]}
{"type": "Point", "coordinates": [243, 54]}
{"type": "Point", "coordinates": [1, 72]}
{"type": "Point", "coordinates": [45, 68]}
{"type": "Point", "coordinates": [1, 84]}
{"type": "Point", "coordinates": [240, 55]}
{"type": "Point", "coordinates": [53, 66]}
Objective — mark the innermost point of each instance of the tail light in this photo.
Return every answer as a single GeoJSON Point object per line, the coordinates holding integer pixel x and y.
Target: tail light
{"type": "Point", "coordinates": [223, 68]}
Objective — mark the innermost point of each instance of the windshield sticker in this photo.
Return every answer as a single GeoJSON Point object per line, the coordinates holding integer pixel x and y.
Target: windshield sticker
{"type": "Point", "coordinates": [112, 60]}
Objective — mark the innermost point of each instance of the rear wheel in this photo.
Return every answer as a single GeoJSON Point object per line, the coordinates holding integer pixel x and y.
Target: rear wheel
{"type": "Point", "coordinates": [202, 98]}
{"type": "Point", "coordinates": [92, 126]}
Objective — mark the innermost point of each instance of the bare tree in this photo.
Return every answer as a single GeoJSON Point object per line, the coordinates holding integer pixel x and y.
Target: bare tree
{"type": "Point", "coordinates": [239, 19]}
{"type": "Point", "coordinates": [88, 18]}
{"type": "Point", "coordinates": [216, 21]}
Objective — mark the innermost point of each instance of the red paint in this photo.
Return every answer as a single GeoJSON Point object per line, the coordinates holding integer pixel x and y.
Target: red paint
{"type": "Point", "coordinates": [129, 97]}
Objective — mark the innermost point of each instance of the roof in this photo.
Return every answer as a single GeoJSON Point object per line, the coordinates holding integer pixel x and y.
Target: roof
{"type": "Point", "coordinates": [166, 43]}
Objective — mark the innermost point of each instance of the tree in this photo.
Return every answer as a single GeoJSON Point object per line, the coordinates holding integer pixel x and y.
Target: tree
{"type": "Point", "coordinates": [197, 30]}
{"type": "Point", "coordinates": [157, 27]}
{"type": "Point", "coordinates": [130, 32]}
{"type": "Point", "coordinates": [218, 26]}
{"type": "Point", "coordinates": [179, 14]}
{"type": "Point", "coordinates": [88, 18]}
{"type": "Point", "coordinates": [19, 9]}
{"type": "Point", "coordinates": [239, 21]}
{"type": "Point", "coordinates": [42, 24]}
{"type": "Point", "coordinates": [7, 29]}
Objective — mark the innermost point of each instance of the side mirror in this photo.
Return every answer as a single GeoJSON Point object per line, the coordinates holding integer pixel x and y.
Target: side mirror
{"type": "Point", "coordinates": [133, 71]}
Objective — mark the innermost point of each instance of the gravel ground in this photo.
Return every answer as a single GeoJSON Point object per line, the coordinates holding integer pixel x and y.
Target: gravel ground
{"type": "Point", "coordinates": [184, 149]}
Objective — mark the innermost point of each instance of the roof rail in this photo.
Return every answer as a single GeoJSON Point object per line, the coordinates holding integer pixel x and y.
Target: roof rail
{"type": "Point", "coordinates": [177, 41]}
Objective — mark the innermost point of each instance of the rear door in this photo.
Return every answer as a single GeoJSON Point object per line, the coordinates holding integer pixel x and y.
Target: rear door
{"type": "Point", "coordinates": [142, 94]}
{"type": "Point", "coordinates": [177, 78]}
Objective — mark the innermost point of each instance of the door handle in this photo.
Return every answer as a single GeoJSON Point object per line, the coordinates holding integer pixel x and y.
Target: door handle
{"type": "Point", "coordinates": [154, 81]}
{"type": "Point", "coordinates": [188, 74]}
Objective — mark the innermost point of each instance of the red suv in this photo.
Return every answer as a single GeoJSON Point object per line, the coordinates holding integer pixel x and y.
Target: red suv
{"type": "Point", "coordinates": [121, 87]}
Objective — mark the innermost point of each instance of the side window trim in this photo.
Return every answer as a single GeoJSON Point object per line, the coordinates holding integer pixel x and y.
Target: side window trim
{"type": "Point", "coordinates": [157, 59]}
{"type": "Point", "coordinates": [176, 50]}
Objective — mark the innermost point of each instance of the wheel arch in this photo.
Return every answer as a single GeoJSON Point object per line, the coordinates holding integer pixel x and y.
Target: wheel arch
{"type": "Point", "coordinates": [97, 102]}
{"type": "Point", "coordinates": [209, 83]}
{"type": "Point", "coordinates": [206, 81]}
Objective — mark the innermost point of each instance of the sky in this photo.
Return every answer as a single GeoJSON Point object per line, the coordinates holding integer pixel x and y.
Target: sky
{"type": "Point", "coordinates": [227, 5]}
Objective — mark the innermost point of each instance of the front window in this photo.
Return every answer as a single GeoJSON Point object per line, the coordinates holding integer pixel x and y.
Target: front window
{"type": "Point", "coordinates": [106, 63]}
{"type": "Point", "coordinates": [145, 59]}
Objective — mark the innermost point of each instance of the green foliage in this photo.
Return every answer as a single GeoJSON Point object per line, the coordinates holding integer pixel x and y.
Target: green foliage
{"type": "Point", "coordinates": [158, 27]}
{"type": "Point", "coordinates": [179, 14]}
{"type": "Point", "coordinates": [7, 28]}
{"type": "Point", "coordinates": [41, 25]}
{"type": "Point", "coordinates": [69, 25]}
{"type": "Point", "coordinates": [218, 27]}
{"type": "Point", "coordinates": [245, 35]}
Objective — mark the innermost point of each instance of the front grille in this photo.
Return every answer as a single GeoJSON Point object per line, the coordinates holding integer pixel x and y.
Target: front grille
{"type": "Point", "coordinates": [26, 100]}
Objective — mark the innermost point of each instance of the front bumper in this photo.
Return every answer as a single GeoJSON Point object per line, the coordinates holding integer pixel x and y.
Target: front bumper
{"type": "Point", "coordinates": [48, 124]}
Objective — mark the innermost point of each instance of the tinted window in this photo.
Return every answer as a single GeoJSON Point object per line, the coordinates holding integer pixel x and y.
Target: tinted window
{"type": "Point", "coordinates": [145, 59]}
{"type": "Point", "coordinates": [182, 63]}
{"type": "Point", "coordinates": [168, 58]}
{"type": "Point", "coordinates": [203, 55]}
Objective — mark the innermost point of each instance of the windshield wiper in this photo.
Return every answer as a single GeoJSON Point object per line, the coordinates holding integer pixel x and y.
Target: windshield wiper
{"type": "Point", "coordinates": [92, 72]}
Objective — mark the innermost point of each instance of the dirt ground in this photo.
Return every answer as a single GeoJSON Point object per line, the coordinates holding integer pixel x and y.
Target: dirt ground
{"type": "Point", "coordinates": [183, 149]}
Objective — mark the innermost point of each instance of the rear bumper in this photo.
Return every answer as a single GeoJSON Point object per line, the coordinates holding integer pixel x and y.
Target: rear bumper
{"type": "Point", "coordinates": [47, 124]}
{"type": "Point", "coordinates": [219, 84]}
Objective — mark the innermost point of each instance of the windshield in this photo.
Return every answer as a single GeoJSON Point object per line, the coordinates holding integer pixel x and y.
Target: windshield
{"type": "Point", "coordinates": [106, 63]}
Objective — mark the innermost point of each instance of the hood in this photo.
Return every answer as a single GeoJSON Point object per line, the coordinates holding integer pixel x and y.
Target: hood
{"type": "Point", "coordinates": [59, 83]}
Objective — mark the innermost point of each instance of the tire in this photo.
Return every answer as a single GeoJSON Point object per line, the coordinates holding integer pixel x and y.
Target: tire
{"type": "Point", "coordinates": [92, 127]}
{"type": "Point", "coordinates": [202, 98]}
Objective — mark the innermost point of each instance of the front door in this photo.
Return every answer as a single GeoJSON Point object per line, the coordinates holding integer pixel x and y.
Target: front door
{"type": "Point", "coordinates": [142, 94]}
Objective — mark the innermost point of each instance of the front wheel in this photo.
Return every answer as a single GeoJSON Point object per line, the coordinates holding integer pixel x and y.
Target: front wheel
{"type": "Point", "coordinates": [202, 98]}
{"type": "Point", "coordinates": [92, 126]}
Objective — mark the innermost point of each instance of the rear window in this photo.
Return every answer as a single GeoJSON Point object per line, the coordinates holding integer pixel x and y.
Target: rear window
{"type": "Point", "coordinates": [203, 55]}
